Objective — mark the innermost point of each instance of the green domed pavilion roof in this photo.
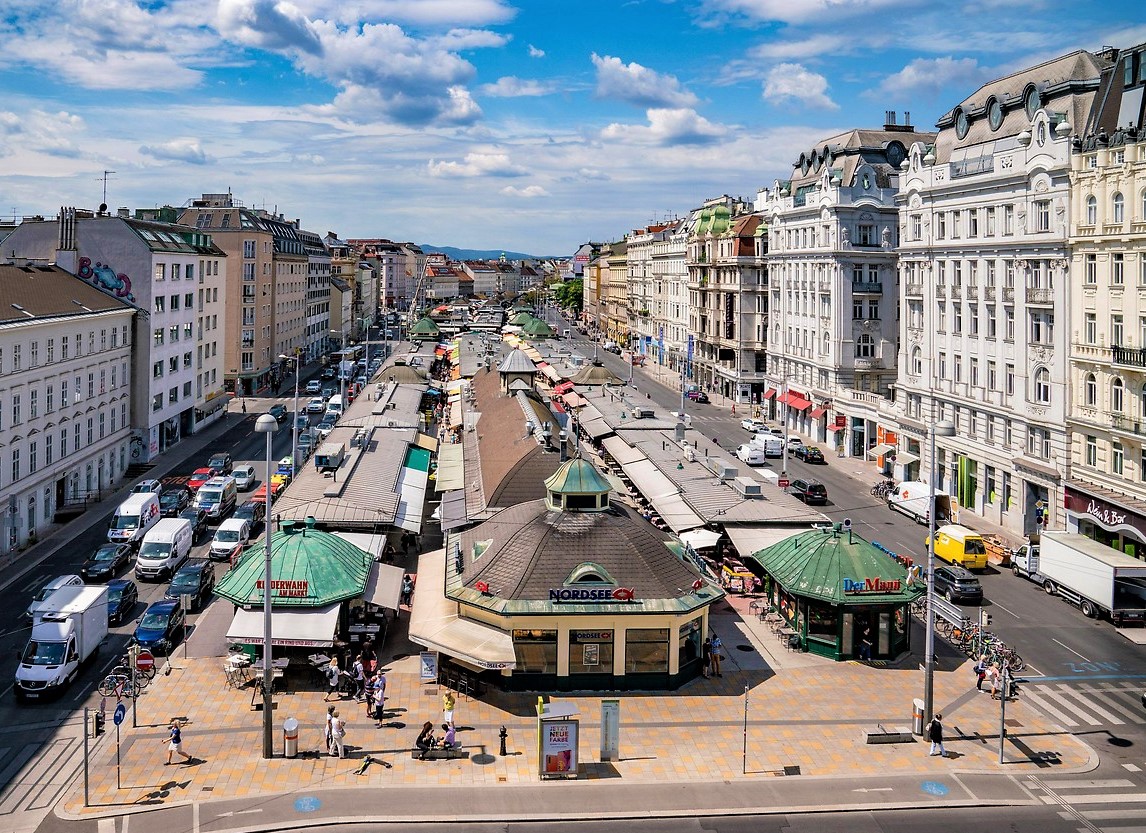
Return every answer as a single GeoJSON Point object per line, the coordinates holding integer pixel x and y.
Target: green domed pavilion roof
{"type": "Point", "coordinates": [577, 477]}
{"type": "Point", "coordinates": [537, 329]}
{"type": "Point", "coordinates": [425, 327]}
{"type": "Point", "coordinates": [521, 319]}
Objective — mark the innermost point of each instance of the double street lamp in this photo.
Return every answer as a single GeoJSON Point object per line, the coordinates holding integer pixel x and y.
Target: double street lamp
{"type": "Point", "coordinates": [267, 424]}
{"type": "Point", "coordinates": [941, 429]}
{"type": "Point", "coordinates": [294, 437]}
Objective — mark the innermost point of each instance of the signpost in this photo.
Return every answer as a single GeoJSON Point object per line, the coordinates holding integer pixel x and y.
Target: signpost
{"type": "Point", "coordinates": [117, 719]}
{"type": "Point", "coordinates": [782, 482]}
{"type": "Point", "coordinates": [144, 662]}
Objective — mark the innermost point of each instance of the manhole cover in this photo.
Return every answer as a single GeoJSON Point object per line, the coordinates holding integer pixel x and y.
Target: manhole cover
{"type": "Point", "coordinates": [745, 648]}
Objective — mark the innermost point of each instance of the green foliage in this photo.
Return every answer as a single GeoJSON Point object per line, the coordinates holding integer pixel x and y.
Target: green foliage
{"type": "Point", "coordinates": [569, 294]}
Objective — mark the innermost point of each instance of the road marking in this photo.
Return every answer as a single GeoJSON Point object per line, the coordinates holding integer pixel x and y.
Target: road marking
{"type": "Point", "coordinates": [1115, 814]}
{"type": "Point", "coordinates": [996, 604]}
{"type": "Point", "coordinates": [194, 817]}
{"type": "Point", "coordinates": [1132, 767]}
{"type": "Point", "coordinates": [1090, 704]}
{"type": "Point", "coordinates": [105, 825]}
{"type": "Point", "coordinates": [1096, 798]}
{"type": "Point", "coordinates": [1111, 697]}
{"type": "Point", "coordinates": [1076, 653]}
{"type": "Point", "coordinates": [873, 790]}
{"type": "Point", "coordinates": [239, 813]}
{"type": "Point", "coordinates": [1106, 784]}
{"type": "Point", "coordinates": [1033, 696]}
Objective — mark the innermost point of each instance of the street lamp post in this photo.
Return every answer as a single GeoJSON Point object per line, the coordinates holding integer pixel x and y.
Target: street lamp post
{"type": "Point", "coordinates": [294, 435]}
{"type": "Point", "coordinates": [941, 429]}
{"type": "Point", "coordinates": [267, 424]}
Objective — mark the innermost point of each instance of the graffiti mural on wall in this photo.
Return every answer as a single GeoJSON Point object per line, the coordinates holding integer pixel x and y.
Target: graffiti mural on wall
{"type": "Point", "coordinates": [106, 278]}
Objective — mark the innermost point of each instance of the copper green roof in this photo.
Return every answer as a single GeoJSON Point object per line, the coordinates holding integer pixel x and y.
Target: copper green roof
{"type": "Point", "coordinates": [538, 329]}
{"type": "Point", "coordinates": [425, 327]}
{"type": "Point", "coordinates": [309, 568]}
{"type": "Point", "coordinates": [833, 566]}
{"type": "Point", "coordinates": [577, 477]}
{"type": "Point", "coordinates": [521, 319]}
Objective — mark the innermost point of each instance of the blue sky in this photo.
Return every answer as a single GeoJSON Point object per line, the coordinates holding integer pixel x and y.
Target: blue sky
{"type": "Point", "coordinates": [531, 126]}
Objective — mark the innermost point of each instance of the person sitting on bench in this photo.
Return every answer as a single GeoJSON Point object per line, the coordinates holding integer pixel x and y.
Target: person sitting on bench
{"type": "Point", "coordinates": [426, 739]}
{"type": "Point", "coordinates": [449, 741]}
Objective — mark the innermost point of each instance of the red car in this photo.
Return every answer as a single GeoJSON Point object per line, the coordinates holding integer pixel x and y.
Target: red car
{"type": "Point", "coordinates": [200, 477]}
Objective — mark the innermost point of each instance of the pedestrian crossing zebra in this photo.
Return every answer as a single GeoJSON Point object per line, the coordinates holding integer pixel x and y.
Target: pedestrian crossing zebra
{"type": "Point", "coordinates": [1103, 805]}
{"type": "Point", "coordinates": [1087, 703]}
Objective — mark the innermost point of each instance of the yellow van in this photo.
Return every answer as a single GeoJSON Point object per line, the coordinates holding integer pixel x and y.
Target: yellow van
{"type": "Point", "coordinates": [957, 544]}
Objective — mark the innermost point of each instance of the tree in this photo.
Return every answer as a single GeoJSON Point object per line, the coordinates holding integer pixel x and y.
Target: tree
{"type": "Point", "coordinates": [569, 294]}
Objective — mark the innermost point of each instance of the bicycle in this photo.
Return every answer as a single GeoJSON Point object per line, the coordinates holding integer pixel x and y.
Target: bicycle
{"type": "Point", "coordinates": [117, 685]}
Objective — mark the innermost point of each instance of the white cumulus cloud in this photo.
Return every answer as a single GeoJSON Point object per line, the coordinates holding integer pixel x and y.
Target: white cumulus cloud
{"type": "Point", "coordinates": [512, 87]}
{"type": "Point", "coordinates": [787, 11]}
{"type": "Point", "coordinates": [177, 150]}
{"type": "Point", "coordinates": [929, 76]}
{"type": "Point", "coordinates": [477, 164]}
{"type": "Point", "coordinates": [55, 134]}
{"type": "Point", "coordinates": [528, 192]}
{"type": "Point", "coordinates": [534, 52]}
{"type": "Point", "coordinates": [277, 25]}
{"type": "Point", "coordinates": [680, 126]}
{"type": "Point", "coordinates": [793, 82]}
{"type": "Point", "coordinates": [639, 85]}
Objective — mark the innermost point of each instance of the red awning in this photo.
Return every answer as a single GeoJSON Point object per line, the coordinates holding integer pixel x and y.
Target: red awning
{"type": "Point", "coordinates": [798, 403]}
{"type": "Point", "coordinates": [770, 394]}
{"type": "Point", "coordinates": [818, 412]}
{"type": "Point", "coordinates": [563, 387]}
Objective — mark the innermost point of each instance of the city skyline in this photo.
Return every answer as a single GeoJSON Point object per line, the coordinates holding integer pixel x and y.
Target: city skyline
{"type": "Point", "coordinates": [480, 123]}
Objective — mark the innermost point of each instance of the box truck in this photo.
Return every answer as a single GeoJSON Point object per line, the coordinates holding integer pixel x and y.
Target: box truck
{"type": "Point", "coordinates": [913, 498]}
{"type": "Point", "coordinates": [1096, 578]}
{"type": "Point", "coordinates": [66, 633]}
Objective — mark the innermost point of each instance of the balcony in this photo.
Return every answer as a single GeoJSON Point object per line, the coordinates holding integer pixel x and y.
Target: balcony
{"type": "Point", "coordinates": [989, 293]}
{"type": "Point", "coordinates": [972, 167]}
{"type": "Point", "coordinates": [1040, 295]}
{"type": "Point", "coordinates": [1008, 294]}
{"type": "Point", "coordinates": [914, 290]}
{"type": "Point", "coordinates": [1128, 425]}
{"type": "Point", "coordinates": [940, 290]}
{"type": "Point", "coordinates": [867, 287]}
{"type": "Point", "coordinates": [1129, 356]}
{"type": "Point", "coordinates": [971, 292]}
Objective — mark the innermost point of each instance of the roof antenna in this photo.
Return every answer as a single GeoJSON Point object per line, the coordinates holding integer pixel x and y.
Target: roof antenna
{"type": "Point", "coordinates": [103, 205]}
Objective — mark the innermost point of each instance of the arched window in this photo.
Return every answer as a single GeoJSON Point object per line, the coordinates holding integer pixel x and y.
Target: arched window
{"type": "Point", "coordinates": [865, 346]}
{"type": "Point", "coordinates": [1142, 216]}
{"type": "Point", "coordinates": [1091, 210]}
{"type": "Point", "coordinates": [1090, 386]}
{"type": "Point", "coordinates": [1117, 396]}
{"type": "Point", "coordinates": [1118, 206]}
{"type": "Point", "coordinates": [1042, 386]}
{"type": "Point", "coordinates": [827, 343]}
{"type": "Point", "coordinates": [916, 361]}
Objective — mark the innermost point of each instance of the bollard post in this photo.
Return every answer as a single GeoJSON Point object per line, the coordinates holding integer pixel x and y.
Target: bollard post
{"type": "Point", "coordinates": [503, 735]}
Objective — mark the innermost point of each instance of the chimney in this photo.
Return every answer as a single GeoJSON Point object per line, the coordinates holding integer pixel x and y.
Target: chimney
{"type": "Point", "coordinates": [889, 120]}
{"type": "Point", "coordinates": [67, 256]}
{"type": "Point", "coordinates": [123, 211]}
{"type": "Point", "coordinates": [907, 118]}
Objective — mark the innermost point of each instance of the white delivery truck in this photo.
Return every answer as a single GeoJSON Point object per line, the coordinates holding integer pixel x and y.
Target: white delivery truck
{"type": "Point", "coordinates": [134, 517]}
{"type": "Point", "coordinates": [67, 631]}
{"type": "Point", "coordinates": [1090, 575]}
{"type": "Point", "coordinates": [913, 498]}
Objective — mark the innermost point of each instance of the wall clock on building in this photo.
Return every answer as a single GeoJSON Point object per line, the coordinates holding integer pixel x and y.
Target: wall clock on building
{"type": "Point", "coordinates": [962, 124]}
{"type": "Point", "coordinates": [1031, 102]}
{"type": "Point", "coordinates": [995, 114]}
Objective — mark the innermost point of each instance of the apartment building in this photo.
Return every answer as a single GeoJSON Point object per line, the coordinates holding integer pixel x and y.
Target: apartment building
{"type": "Point", "coordinates": [65, 396]}
{"type": "Point", "coordinates": [1105, 488]}
{"type": "Point", "coordinates": [614, 292]}
{"type": "Point", "coordinates": [669, 294]}
{"type": "Point", "coordinates": [316, 333]}
{"type": "Point", "coordinates": [984, 266]}
{"type": "Point", "coordinates": [834, 333]}
{"type": "Point", "coordinates": [175, 275]}
{"type": "Point", "coordinates": [640, 284]}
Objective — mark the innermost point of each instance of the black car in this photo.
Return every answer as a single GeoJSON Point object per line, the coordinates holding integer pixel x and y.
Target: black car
{"type": "Point", "coordinates": [809, 454]}
{"type": "Point", "coordinates": [163, 626]}
{"type": "Point", "coordinates": [279, 412]}
{"type": "Point", "coordinates": [253, 511]}
{"type": "Point", "coordinates": [194, 580]}
{"type": "Point", "coordinates": [122, 595]}
{"type": "Point", "coordinates": [809, 491]}
{"type": "Point", "coordinates": [221, 463]}
{"type": "Point", "coordinates": [172, 502]}
{"type": "Point", "coordinates": [106, 562]}
{"type": "Point", "coordinates": [199, 522]}
{"type": "Point", "coordinates": [328, 373]}
{"type": "Point", "coordinates": [957, 584]}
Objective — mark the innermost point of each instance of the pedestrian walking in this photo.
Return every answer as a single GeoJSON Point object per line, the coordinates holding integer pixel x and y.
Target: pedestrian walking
{"type": "Point", "coordinates": [407, 590]}
{"type": "Point", "coordinates": [326, 727]}
{"type": "Point", "coordinates": [993, 676]}
{"type": "Point", "coordinates": [980, 672]}
{"type": "Point", "coordinates": [865, 645]}
{"type": "Point", "coordinates": [337, 735]}
{"type": "Point", "coordinates": [717, 647]}
{"type": "Point", "coordinates": [174, 743]}
{"type": "Point", "coordinates": [935, 735]}
{"type": "Point", "coordinates": [706, 657]}
{"type": "Point", "coordinates": [359, 673]}
{"type": "Point", "coordinates": [379, 696]}
{"type": "Point", "coordinates": [448, 703]}
{"type": "Point", "coordinates": [368, 694]}
{"type": "Point", "coordinates": [332, 677]}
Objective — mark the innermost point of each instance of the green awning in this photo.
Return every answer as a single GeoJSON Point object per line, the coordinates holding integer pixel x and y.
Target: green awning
{"type": "Point", "coordinates": [309, 568]}
{"type": "Point", "coordinates": [837, 567]}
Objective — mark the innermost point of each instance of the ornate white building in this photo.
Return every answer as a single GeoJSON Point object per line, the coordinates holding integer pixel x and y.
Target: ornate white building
{"type": "Point", "coordinates": [985, 216]}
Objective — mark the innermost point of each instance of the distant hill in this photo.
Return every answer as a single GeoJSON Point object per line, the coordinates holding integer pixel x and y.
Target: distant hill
{"type": "Point", "coordinates": [484, 254]}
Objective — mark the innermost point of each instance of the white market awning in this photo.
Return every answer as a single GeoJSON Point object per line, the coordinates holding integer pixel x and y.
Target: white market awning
{"type": "Point", "coordinates": [905, 458]}
{"type": "Point", "coordinates": [384, 585]}
{"type": "Point", "coordinates": [451, 468]}
{"type": "Point", "coordinates": [411, 491]}
{"type": "Point", "coordinates": [305, 628]}
{"type": "Point", "coordinates": [880, 450]}
{"type": "Point", "coordinates": [750, 539]}
{"type": "Point", "coordinates": [700, 539]}
{"type": "Point", "coordinates": [621, 451]}
{"type": "Point", "coordinates": [436, 624]}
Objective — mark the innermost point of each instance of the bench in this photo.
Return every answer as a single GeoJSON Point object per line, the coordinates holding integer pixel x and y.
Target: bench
{"type": "Point", "coordinates": [441, 753]}
{"type": "Point", "coordinates": [882, 735]}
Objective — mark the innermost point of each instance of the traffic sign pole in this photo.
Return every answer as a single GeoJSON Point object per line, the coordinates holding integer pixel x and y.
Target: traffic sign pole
{"type": "Point", "coordinates": [86, 797]}
{"type": "Point", "coordinates": [120, 711]}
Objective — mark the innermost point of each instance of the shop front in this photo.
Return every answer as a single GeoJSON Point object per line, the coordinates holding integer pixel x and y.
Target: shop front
{"type": "Point", "coordinates": [837, 594]}
{"type": "Point", "coordinates": [1104, 515]}
{"type": "Point", "coordinates": [565, 593]}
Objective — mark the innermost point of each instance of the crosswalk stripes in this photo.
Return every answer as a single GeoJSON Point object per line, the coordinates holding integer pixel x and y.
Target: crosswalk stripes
{"type": "Point", "coordinates": [1092, 803]}
{"type": "Point", "coordinates": [1096, 703]}
{"type": "Point", "coordinates": [35, 774]}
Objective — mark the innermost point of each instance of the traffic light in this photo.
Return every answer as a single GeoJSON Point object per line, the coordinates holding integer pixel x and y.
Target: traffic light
{"type": "Point", "coordinates": [97, 724]}
{"type": "Point", "coordinates": [1040, 516]}
{"type": "Point", "coordinates": [985, 619]}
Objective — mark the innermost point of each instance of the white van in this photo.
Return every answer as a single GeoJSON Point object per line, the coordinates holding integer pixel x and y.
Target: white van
{"type": "Point", "coordinates": [233, 532]}
{"type": "Point", "coordinates": [50, 588]}
{"type": "Point", "coordinates": [334, 407]}
{"type": "Point", "coordinates": [134, 517]}
{"type": "Point", "coordinates": [164, 549]}
{"type": "Point", "coordinates": [769, 443]}
{"type": "Point", "coordinates": [218, 496]}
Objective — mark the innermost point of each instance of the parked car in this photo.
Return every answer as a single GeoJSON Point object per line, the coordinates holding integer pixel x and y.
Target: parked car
{"type": "Point", "coordinates": [173, 501]}
{"type": "Point", "coordinates": [809, 491]}
{"type": "Point", "coordinates": [305, 446]}
{"type": "Point", "coordinates": [313, 386]}
{"type": "Point", "coordinates": [122, 596]}
{"type": "Point", "coordinates": [753, 455]}
{"type": "Point", "coordinates": [957, 584]}
{"type": "Point", "coordinates": [279, 412]}
{"type": "Point", "coordinates": [163, 626]}
{"type": "Point", "coordinates": [106, 562]}
{"type": "Point", "coordinates": [753, 425]}
{"type": "Point", "coordinates": [316, 405]}
{"type": "Point", "coordinates": [809, 454]}
{"type": "Point", "coordinates": [194, 580]}
{"type": "Point", "coordinates": [253, 512]}
{"type": "Point", "coordinates": [245, 477]}
{"type": "Point", "coordinates": [795, 444]}
{"type": "Point", "coordinates": [221, 462]}
{"type": "Point", "coordinates": [199, 522]}
{"type": "Point", "coordinates": [199, 477]}
{"type": "Point", "coordinates": [147, 486]}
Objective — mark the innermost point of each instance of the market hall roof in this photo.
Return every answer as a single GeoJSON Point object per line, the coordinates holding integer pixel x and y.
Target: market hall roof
{"type": "Point", "coordinates": [837, 566]}
{"type": "Point", "coordinates": [309, 568]}
{"type": "Point", "coordinates": [594, 374]}
{"type": "Point", "coordinates": [425, 328]}
{"type": "Point", "coordinates": [517, 362]}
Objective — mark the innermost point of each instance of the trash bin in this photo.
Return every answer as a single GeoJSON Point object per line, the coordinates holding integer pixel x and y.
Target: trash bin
{"type": "Point", "coordinates": [290, 738]}
{"type": "Point", "coordinates": [917, 717]}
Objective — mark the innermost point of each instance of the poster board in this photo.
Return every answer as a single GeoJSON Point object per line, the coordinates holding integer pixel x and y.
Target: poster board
{"type": "Point", "coordinates": [558, 758]}
{"type": "Point", "coordinates": [428, 667]}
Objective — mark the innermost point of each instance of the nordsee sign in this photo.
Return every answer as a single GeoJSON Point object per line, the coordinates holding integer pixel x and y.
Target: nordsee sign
{"type": "Point", "coordinates": [591, 594]}
{"type": "Point", "coordinates": [871, 585]}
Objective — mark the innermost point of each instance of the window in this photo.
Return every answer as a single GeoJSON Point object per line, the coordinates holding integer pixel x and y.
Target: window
{"type": "Point", "coordinates": [174, 303]}
{"type": "Point", "coordinates": [157, 402]}
{"type": "Point", "coordinates": [1042, 327]}
{"type": "Point", "coordinates": [15, 464]}
{"type": "Point", "coordinates": [1009, 379]}
{"type": "Point", "coordinates": [1117, 208]}
{"type": "Point", "coordinates": [160, 303]}
{"type": "Point", "coordinates": [990, 221]}
{"type": "Point", "coordinates": [590, 651]}
{"type": "Point", "coordinates": [1116, 331]}
{"type": "Point", "coordinates": [51, 350]}
{"type": "Point", "coordinates": [1117, 273]}
{"type": "Point", "coordinates": [1090, 389]}
{"type": "Point", "coordinates": [867, 235]}
{"type": "Point", "coordinates": [992, 321]}
{"type": "Point", "coordinates": [916, 227]}
{"type": "Point", "coordinates": [50, 400]}
{"type": "Point", "coordinates": [942, 365]}
{"type": "Point", "coordinates": [1042, 386]}
{"type": "Point", "coordinates": [1091, 270]}
{"type": "Point", "coordinates": [17, 411]}
{"type": "Point", "coordinates": [956, 223]}
{"type": "Point", "coordinates": [157, 370]}
{"type": "Point", "coordinates": [1117, 457]}
{"type": "Point", "coordinates": [157, 335]}
{"type": "Point", "coordinates": [1091, 450]}
{"type": "Point", "coordinates": [973, 223]}
{"type": "Point", "coordinates": [974, 372]}
{"type": "Point", "coordinates": [1038, 442]}
{"type": "Point", "coordinates": [1117, 395]}
{"type": "Point", "coordinates": [1008, 219]}
{"type": "Point", "coordinates": [33, 403]}
{"type": "Point", "coordinates": [172, 395]}
{"type": "Point", "coordinates": [957, 319]}
{"type": "Point", "coordinates": [176, 268]}
{"type": "Point", "coordinates": [646, 650]}
{"type": "Point", "coordinates": [1091, 211]}
{"type": "Point", "coordinates": [916, 361]}
{"type": "Point", "coordinates": [16, 358]}
{"type": "Point", "coordinates": [958, 368]}
{"type": "Point", "coordinates": [1008, 324]}
{"type": "Point", "coordinates": [1042, 215]}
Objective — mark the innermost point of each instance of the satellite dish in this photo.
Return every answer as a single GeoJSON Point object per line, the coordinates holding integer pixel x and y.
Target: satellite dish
{"type": "Point", "coordinates": [847, 524]}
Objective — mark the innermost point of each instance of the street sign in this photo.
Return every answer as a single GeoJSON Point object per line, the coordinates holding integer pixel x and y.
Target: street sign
{"type": "Point", "coordinates": [145, 661]}
{"type": "Point", "coordinates": [782, 483]}
{"type": "Point", "coordinates": [119, 715]}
